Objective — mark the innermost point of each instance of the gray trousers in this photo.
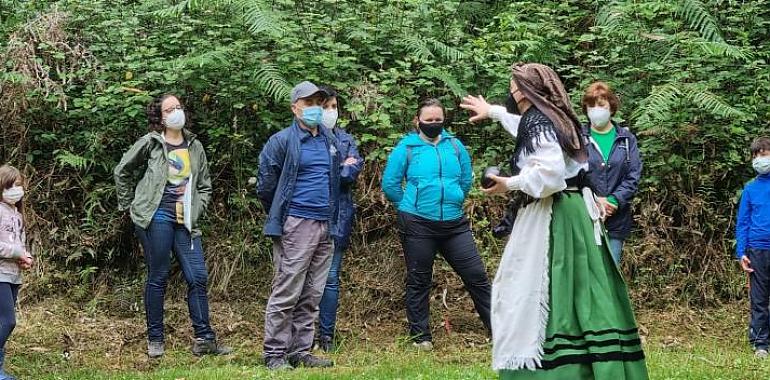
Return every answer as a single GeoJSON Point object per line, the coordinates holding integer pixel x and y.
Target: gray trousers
{"type": "Point", "coordinates": [301, 261]}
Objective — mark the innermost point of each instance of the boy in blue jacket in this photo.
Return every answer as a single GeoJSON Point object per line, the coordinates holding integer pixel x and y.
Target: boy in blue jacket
{"type": "Point", "coordinates": [753, 244]}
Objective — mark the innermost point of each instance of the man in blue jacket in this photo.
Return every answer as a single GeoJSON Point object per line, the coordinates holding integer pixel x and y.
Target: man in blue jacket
{"type": "Point", "coordinates": [298, 184]}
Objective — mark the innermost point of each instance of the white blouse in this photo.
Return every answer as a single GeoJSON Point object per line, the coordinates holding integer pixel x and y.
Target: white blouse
{"type": "Point", "coordinates": [544, 171]}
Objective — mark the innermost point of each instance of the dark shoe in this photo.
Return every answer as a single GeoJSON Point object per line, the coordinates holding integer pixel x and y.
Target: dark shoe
{"type": "Point", "coordinates": [310, 361]}
{"type": "Point", "coordinates": [155, 349]}
{"type": "Point", "coordinates": [278, 364]}
{"type": "Point", "coordinates": [326, 344]}
{"type": "Point", "coordinates": [209, 347]}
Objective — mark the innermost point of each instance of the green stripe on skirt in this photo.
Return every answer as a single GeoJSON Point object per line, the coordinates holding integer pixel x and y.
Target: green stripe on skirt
{"type": "Point", "coordinates": [591, 332]}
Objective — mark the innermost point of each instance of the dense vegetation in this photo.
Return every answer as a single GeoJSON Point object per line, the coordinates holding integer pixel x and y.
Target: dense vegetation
{"type": "Point", "coordinates": [76, 74]}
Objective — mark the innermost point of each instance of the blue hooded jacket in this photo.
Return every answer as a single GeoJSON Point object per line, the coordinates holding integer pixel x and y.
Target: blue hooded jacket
{"type": "Point", "coordinates": [277, 176]}
{"type": "Point", "coordinates": [619, 177]}
{"type": "Point", "coordinates": [438, 177]}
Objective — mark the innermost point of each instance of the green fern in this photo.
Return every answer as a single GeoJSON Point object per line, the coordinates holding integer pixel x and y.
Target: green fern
{"type": "Point", "coordinates": [67, 158]}
{"type": "Point", "coordinates": [721, 49]}
{"type": "Point", "coordinates": [712, 103]}
{"type": "Point", "coordinates": [694, 12]}
{"type": "Point", "coordinates": [450, 53]}
{"type": "Point", "coordinates": [417, 47]}
{"type": "Point", "coordinates": [255, 13]}
{"type": "Point", "coordinates": [214, 58]}
{"type": "Point", "coordinates": [657, 105]}
{"type": "Point", "coordinates": [259, 18]}
{"type": "Point", "coordinates": [663, 99]}
{"type": "Point", "coordinates": [447, 78]}
{"type": "Point", "coordinates": [614, 19]}
{"type": "Point", "coordinates": [269, 80]}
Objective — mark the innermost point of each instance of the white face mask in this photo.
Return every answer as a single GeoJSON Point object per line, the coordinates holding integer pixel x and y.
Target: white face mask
{"type": "Point", "coordinates": [599, 116]}
{"type": "Point", "coordinates": [13, 195]}
{"type": "Point", "coordinates": [761, 164]}
{"type": "Point", "coordinates": [330, 118]}
{"type": "Point", "coordinates": [175, 120]}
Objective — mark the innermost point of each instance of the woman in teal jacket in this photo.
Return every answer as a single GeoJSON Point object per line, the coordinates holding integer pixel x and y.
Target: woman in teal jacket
{"type": "Point", "coordinates": [427, 177]}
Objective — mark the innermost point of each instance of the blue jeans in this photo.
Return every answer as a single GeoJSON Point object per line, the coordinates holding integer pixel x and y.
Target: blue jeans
{"type": "Point", "coordinates": [760, 297]}
{"type": "Point", "coordinates": [158, 240]}
{"type": "Point", "coordinates": [8, 294]}
{"type": "Point", "coordinates": [616, 250]}
{"type": "Point", "coordinates": [327, 317]}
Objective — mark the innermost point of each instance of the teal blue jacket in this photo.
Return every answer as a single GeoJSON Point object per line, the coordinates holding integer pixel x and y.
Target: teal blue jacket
{"type": "Point", "coordinates": [428, 180]}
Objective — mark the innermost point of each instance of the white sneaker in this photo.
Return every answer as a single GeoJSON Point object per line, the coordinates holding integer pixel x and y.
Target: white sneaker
{"type": "Point", "coordinates": [760, 353]}
{"type": "Point", "coordinates": [425, 346]}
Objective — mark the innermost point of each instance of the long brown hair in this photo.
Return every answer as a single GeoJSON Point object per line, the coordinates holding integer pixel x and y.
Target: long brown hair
{"type": "Point", "coordinates": [8, 177]}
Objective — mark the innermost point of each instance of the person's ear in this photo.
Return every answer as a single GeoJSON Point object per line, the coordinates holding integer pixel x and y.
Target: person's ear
{"type": "Point", "coordinates": [416, 122]}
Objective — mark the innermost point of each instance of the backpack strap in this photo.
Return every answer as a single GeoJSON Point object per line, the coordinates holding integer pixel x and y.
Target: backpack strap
{"type": "Point", "coordinates": [457, 148]}
{"type": "Point", "coordinates": [408, 155]}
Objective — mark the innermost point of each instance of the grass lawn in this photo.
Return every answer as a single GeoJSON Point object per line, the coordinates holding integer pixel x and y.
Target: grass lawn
{"type": "Point", "coordinates": [680, 344]}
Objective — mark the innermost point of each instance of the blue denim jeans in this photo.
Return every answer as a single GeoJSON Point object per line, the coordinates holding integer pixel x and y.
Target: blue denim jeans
{"type": "Point", "coordinates": [760, 297]}
{"type": "Point", "coordinates": [327, 317]}
{"type": "Point", "coordinates": [158, 241]}
{"type": "Point", "coordinates": [8, 294]}
{"type": "Point", "coordinates": [616, 250]}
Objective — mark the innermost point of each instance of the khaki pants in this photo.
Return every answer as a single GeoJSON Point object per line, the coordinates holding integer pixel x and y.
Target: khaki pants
{"type": "Point", "coordinates": [301, 260]}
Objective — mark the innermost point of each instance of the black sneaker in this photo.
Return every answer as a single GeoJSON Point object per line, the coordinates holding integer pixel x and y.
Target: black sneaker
{"type": "Point", "coordinates": [277, 364]}
{"type": "Point", "coordinates": [310, 361]}
{"type": "Point", "coordinates": [326, 344]}
{"type": "Point", "coordinates": [209, 347]}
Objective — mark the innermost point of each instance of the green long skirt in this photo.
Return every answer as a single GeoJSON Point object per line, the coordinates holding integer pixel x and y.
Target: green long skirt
{"type": "Point", "coordinates": [591, 331]}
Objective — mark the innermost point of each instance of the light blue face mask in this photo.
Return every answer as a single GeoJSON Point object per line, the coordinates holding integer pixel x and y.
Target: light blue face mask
{"type": "Point", "coordinates": [761, 164]}
{"type": "Point", "coordinates": [312, 116]}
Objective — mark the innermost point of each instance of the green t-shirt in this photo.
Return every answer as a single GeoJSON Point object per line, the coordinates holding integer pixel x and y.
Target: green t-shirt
{"type": "Point", "coordinates": [605, 141]}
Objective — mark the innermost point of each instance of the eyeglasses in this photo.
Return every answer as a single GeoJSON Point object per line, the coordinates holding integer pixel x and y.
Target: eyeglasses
{"type": "Point", "coordinates": [171, 109]}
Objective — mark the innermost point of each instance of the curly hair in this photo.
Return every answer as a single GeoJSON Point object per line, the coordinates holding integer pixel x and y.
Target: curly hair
{"type": "Point", "coordinates": [155, 113]}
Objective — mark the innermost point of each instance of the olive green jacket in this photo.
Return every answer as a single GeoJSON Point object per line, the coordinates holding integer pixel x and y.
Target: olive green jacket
{"type": "Point", "coordinates": [150, 156]}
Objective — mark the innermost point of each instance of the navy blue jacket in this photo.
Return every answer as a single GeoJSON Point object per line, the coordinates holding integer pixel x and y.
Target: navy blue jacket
{"type": "Point", "coordinates": [618, 177]}
{"type": "Point", "coordinates": [277, 175]}
{"type": "Point", "coordinates": [348, 175]}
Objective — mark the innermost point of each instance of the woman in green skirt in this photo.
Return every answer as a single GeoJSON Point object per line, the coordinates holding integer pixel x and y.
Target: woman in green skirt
{"type": "Point", "coordinates": [560, 308]}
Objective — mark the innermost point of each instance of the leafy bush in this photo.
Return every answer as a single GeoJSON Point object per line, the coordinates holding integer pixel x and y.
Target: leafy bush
{"type": "Point", "coordinates": [76, 75]}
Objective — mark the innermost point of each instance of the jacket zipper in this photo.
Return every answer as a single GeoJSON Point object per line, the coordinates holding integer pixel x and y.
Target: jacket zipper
{"type": "Point", "coordinates": [441, 180]}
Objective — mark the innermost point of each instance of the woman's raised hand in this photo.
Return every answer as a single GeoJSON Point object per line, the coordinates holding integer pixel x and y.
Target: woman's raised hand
{"type": "Point", "coordinates": [477, 105]}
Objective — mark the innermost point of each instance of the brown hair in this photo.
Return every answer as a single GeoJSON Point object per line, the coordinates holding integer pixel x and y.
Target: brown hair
{"type": "Point", "coordinates": [8, 177]}
{"type": "Point", "coordinates": [430, 102]}
{"type": "Point", "coordinates": [759, 145]}
{"type": "Point", "coordinates": [600, 90]}
{"type": "Point", "coordinates": [155, 113]}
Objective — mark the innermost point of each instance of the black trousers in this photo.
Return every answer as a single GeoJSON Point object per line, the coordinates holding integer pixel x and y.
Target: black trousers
{"type": "Point", "coordinates": [421, 240]}
{"type": "Point", "coordinates": [759, 328]}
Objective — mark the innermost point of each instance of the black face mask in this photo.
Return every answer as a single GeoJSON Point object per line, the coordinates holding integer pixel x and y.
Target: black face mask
{"type": "Point", "coordinates": [511, 106]}
{"type": "Point", "coordinates": [431, 130]}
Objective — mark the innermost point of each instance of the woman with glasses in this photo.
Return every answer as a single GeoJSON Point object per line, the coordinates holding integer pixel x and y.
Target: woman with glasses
{"type": "Point", "coordinates": [165, 206]}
